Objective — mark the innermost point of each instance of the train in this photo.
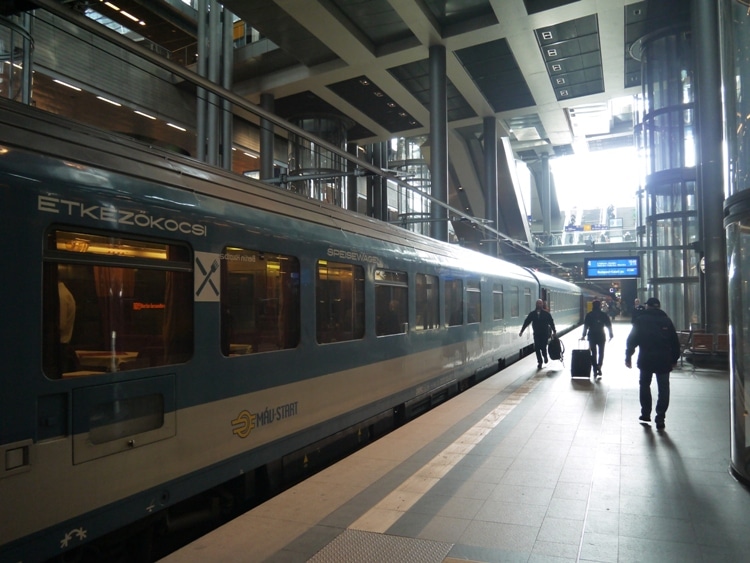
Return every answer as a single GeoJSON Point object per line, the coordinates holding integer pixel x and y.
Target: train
{"type": "Point", "coordinates": [171, 330]}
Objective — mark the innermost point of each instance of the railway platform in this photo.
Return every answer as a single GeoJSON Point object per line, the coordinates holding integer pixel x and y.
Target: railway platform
{"type": "Point", "coordinates": [527, 466]}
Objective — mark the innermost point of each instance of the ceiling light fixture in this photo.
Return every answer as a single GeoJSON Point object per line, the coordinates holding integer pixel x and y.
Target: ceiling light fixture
{"type": "Point", "coordinates": [76, 88]}
{"type": "Point", "coordinates": [129, 16]}
{"type": "Point", "coordinates": [110, 101]}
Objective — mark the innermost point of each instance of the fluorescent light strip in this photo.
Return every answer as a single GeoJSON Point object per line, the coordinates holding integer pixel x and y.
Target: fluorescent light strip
{"type": "Point", "coordinates": [144, 114]}
{"type": "Point", "coordinates": [251, 155]}
{"type": "Point", "coordinates": [109, 4]}
{"type": "Point", "coordinates": [110, 101]}
{"type": "Point", "coordinates": [176, 126]}
{"type": "Point", "coordinates": [76, 88]}
{"type": "Point", "coordinates": [127, 15]}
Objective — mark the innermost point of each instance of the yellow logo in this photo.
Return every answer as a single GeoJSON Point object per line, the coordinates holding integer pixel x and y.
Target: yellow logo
{"type": "Point", "coordinates": [243, 424]}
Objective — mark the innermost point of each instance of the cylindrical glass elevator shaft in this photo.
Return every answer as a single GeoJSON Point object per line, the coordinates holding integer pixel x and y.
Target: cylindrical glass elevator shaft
{"type": "Point", "coordinates": [734, 22]}
{"type": "Point", "coordinates": [666, 140]}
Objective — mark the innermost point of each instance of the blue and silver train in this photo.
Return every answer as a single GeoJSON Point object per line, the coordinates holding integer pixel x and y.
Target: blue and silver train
{"type": "Point", "coordinates": [170, 329]}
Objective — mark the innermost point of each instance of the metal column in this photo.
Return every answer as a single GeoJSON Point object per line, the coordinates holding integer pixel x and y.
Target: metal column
{"type": "Point", "coordinates": [27, 22]}
{"type": "Point", "coordinates": [201, 94]}
{"type": "Point", "coordinates": [352, 196]}
{"type": "Point", "coordinates": [212, 137]}
{"type": "Point", "coordinates": [546, 199]}
{"type": "Point", "coordinates": [439, 140]}
{"type": "Point", "coordinates": [379, 184]}
{"type": "Point", "coordinates": [227, 66]}
{"type": "Point", "coordinates": [710, 177]}
{"type": "Point", "coordinates": [266, 139]}
{"type": "Point", "coordinates": [490, 177]}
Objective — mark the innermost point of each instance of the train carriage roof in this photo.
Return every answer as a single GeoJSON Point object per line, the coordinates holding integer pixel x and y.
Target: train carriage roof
{"type": "Point", "coordinates": [103, 160]}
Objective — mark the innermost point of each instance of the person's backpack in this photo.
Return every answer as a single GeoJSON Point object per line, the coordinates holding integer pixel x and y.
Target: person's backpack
{"type": "Point", "coordinates": [657, 342]}
{"type": "Point", "coordinates": [555, 349]}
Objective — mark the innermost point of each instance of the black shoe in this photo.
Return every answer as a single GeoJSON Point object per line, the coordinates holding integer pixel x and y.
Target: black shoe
{"type": "Point", "coordinates": [660, 425]}
{"type": "Point", "coordinates": [644, 418]}
{"type": "Point", "coordinates": [539, 366]}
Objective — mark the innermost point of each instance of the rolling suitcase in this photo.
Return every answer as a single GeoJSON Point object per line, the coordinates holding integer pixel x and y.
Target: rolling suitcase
{"type": "Point", "coordinates": [580, 362]}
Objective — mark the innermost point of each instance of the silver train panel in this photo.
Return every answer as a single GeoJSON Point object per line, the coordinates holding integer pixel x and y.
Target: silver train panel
{"type": "Point", "coordinates": [219, 430]}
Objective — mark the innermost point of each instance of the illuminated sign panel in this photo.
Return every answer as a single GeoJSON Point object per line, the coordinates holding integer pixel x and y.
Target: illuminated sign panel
{"type": "Point", "coordinates": [597, 268]}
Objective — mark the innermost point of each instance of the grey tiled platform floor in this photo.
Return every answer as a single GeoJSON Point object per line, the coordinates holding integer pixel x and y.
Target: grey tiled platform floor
{"type": "Point", "coordinates": [562, 472]}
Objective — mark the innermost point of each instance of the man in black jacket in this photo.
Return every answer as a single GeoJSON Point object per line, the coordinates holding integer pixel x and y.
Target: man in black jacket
{"type": "Point", "coordinates": [594, 324]}
{"type": "Point", "coordinates": [543, 327]}
{"type": "Point", "coordinates": [654, 334]}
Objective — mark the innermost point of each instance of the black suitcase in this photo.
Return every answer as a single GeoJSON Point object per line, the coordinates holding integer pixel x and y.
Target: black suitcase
{"type": "Point", "coordinates": [580, 363]}
{"type": "Point", "coordinates": [556, 349]}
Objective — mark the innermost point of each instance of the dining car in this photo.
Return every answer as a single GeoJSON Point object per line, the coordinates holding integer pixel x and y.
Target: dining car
{"type": "Point", "coordinates": [177, 339]}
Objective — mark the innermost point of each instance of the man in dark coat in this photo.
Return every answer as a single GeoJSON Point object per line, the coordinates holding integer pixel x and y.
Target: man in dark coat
{"type": "Point", "coordinates": [659, 349]}
{"type": "Point", "coordinates": [594, 324]}
{"type": "Point", "coordinates": [543, 327]}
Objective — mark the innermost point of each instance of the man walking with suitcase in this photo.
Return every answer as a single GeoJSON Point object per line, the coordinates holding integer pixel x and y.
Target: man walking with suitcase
{"type": "Point", "coordinates": [594, 324]}
{"type": "Point", "coordinates": [543, 327]}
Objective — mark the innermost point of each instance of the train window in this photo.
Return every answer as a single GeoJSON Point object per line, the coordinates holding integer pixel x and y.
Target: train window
{"type": "Point", "coordinates": [114, 303]}
{"type": "Point", "coordinates": [454, 302]}
{"type": "Point", "coordinates": [340, 297]}
{"type": "Point", "coordinates": [428, 304]}
{"type": "Point", "coordinates": [391, 302]}
{"type": "Point", "coordinates": [497, 302]}
{"type": "Point", "coordinates": [527, 299]}
{"type": "Point", "coordinates": [260, 302]}
{"type": "Point", "coordinates": [473, 302]}
{"type": "Point", "coordinates": [514, 301]}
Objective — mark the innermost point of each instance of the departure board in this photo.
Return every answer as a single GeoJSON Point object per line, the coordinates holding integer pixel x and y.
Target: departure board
{"type": "Point", "coordinates": [626, 267]}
